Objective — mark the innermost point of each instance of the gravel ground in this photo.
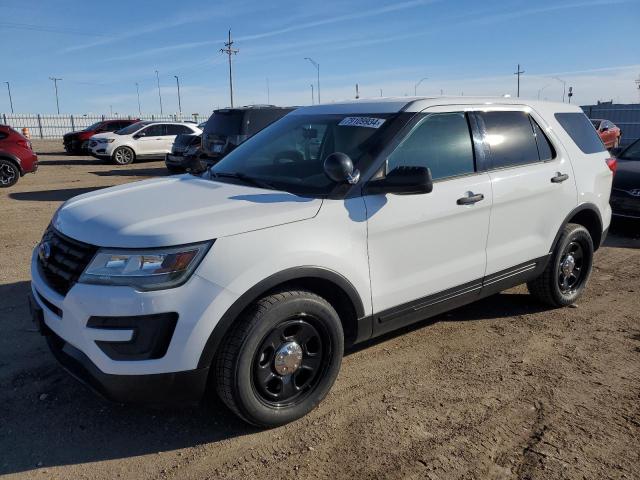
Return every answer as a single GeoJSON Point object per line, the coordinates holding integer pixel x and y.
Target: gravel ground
{"type": "Point", "coordinates": [502, 388]}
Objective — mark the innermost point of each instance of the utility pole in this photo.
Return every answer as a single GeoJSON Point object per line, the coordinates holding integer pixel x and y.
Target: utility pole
{"type": "Point", "coordinates": [138, 92]}
{"type": "Point", "coordinates": [518, 73]}
{"type": "Point", "coordinates": [55, 84]}
{"type": "Point", "coordinates": [317, 65]}
{"type": "Point", "coordinates": [10, 100]}
{"type": "Point", "coordinates": [312, 94]}
{"type": "Point", "coordinates": [564, 87]}
{"type": "Point", "coordinates": [230, 51]}
{"type": "Point", "coordinates": [570, 93]}
{"type": "Point", "coordinates": [380, 92]}
{"type": "Point", "coordinates": [159, 94]}
{"type": "Point", "coordinates": [357, 92]}
{"type": "Point", "coordinates": [415, 87]}
{"type": "Point", "coordinates": [178, 84]}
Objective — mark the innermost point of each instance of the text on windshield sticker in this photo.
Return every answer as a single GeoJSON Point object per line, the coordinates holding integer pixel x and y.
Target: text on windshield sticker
{"type": "Point", "coordinates": [361, 122]}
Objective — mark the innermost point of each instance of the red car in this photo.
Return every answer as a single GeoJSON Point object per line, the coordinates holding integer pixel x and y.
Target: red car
{"type": "Point", "coordinates": [75, 142]}
{"type": "Point", "coordinates": [16, 156]}
{"type": "Point", "coordinates": [609, 133]}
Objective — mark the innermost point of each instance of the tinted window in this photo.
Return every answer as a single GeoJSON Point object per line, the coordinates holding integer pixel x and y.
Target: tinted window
{"type": "Point", "coordinates": [260, 118]}
{"type": "Point", "coordinates": [510, 138]}
{"type": "Point", "coordinates": [155, 130]}
{"type": "Point", "coordinates": [112, 127]}
{"type": "Point", "coordinates": [132, 128]}
{"type": "Point", "coordinates": [579, 128]}
{"type": "Point", "coordinates": [177, 130]}
{"type": "Point", "coordinates": [3, 135]}
{"type": "Point", "coordinates": [441, 142]}
{"type": "Point", "coordinates": [225, 122]}
{"type": "Point", "coordinates": [632, 152]}
{"type": "Point", "coordinates": [545, 149]}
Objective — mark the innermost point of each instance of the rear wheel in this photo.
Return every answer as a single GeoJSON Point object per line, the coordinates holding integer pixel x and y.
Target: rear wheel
{"type": "Point", "coordinates": [123, 156]}
{"type": "Point", "coordinates": [281, 358]}
{"type": "Point", "coordinates": [566, 275]}
{"type": "Point", "coordinates": [9, 173]}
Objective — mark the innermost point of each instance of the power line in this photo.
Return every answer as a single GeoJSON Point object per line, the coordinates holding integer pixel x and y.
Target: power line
{"type": "Point", "coordinates": [230, 51]}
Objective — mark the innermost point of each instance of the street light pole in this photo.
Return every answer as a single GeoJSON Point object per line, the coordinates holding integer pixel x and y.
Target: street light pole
{"type": "Point", "coordinates": [159, 94]}
{"type": "Point", "coordinates": [542, 89]}
{"type": "Point", "coordinates": [10, 99]}
{"type": "Point", "coordinates": [415, 87]}
{"type": "Point", "coordinates": [317, 65]}
{"type": "Point", "coordinates": [564, 87]}
{"type": "Point", "coordinates": [179, 104]}
{"type": "Point", "coordinates": [55, 84]}
{"type": "Point", "coordinates": [312, 94]}
{"type": "Point", "coordinates": [518, 73]}
{"type": "Point", "coordinates": [138, 92]}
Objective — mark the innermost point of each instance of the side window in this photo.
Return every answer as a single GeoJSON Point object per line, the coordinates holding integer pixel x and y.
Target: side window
{"type": "Point", "coordinates": [113, 126]}
{"type": "Point", "coordinates": [177, 130]}
{"type": "Point", "coordinates": [579, 128]}
{"type": "Point", "coordinates": [3, 135]}
{"type": "Point", "coordinates": [545, 149]}
{"type": "Point", "coordinates": [441, 142]}
{"type": "Point", "coordinates": [510, 138]}
{"type": "Point", "coordinates": [156, 130]}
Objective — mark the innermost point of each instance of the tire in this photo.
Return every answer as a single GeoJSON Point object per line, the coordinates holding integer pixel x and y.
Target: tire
{"type": "Point", "coordinates": [9, 173]}
{"type": "Point", "coordinates": [173, 169]}
{"type": "Point", "coordinates": [251, 377]}
{"type": "Point", "coordinates": [123, 156]}
{"type": "Point", "coordinates": [567, 273]}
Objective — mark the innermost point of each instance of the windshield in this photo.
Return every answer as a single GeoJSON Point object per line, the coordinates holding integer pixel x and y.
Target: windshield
{"type": "Point", "coordinates": [93, 126]}
{"type": "Point", "coordinates": [289, 154]}
{"type": "Point", "coordinates": [632, 152]}
{"type": "Point", "coordinates": [132, 128]}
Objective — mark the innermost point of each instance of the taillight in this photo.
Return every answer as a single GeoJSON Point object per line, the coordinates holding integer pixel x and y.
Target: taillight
{"type": "Point", "coordinates": [612, 163]}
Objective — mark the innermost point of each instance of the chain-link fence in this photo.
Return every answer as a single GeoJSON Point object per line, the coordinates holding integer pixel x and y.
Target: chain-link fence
{"type": "Point", "coordinates": [55, 126]}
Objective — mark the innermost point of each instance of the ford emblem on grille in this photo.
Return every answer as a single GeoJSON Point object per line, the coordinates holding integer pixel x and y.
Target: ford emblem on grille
{"type": "Point", "coordinates": [635, 192]}
{"type": "Point", "coordinates": [44, 251]}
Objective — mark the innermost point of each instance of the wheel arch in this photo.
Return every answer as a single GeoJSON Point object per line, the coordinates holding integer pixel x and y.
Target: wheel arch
{"type": "Point", "coordinates": [331, 285]}
{"type": "Point", "coordinates": [587, 215]}
{"type": "Point", "coordinates": [13, 159]}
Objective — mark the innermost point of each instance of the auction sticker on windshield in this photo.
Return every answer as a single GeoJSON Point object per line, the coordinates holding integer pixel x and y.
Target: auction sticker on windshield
{"type": "Point", "coordinates": [361, 122]}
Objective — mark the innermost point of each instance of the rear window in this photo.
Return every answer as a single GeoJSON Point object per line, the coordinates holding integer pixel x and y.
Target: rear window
{"type": "Point", "coordinates": [581, 131]}
{"type": "Point", "coordinates": [261, 118]}
{"type": "Point", "coordinates": [225, 122]}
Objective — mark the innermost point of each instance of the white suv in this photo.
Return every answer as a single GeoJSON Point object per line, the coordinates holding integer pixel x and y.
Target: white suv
{"type": "Point", "coordinates": [141, 140]}
{"type": "Point", "coordinates": [335, 224]}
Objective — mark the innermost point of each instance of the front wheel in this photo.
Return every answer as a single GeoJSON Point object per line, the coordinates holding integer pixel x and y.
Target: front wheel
{"type": "Point", "coordinates": [569, 268]}
{"type": "Point", "coordinates": [123, 156]}
{"type": "Point", "coordinates": [281, 358]}
{"type": "Point", "coordinates": [9, 173]}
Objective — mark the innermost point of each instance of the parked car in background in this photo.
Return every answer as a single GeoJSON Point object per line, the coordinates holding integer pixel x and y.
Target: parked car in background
{"type": "Point", "coordinates": [608, 132]}
{"type": "Point", "coordinates": [142, 140]}
{"type": "Point", "coordinates": [17, 157]}
{"type": "Point", "coordinates": [229, 127]}
{"type": "Point", "coordinates": [77, 142]}
{"type": "Point", "coordinates": [252, 278]}
{"type": "Point", "coordinates": [625, 194]}
{"type": "Point", "coordinates": [184, 146]}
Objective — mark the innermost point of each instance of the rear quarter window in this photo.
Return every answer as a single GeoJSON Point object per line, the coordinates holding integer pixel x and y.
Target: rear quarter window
{"type": "Point", "coordinates": [581, 131]}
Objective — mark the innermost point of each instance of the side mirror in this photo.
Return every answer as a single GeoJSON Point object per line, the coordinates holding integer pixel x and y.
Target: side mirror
{"type": "Point", "coordinates": [403, 181]}
{"type": "Point", "coordinates": [140, 134]}
{"type": "Point", "coordinates": [339, 168]}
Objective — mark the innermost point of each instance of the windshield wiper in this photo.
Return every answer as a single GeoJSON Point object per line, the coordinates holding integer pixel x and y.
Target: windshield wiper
{"type": "Point", "coordinates": [245, 178]}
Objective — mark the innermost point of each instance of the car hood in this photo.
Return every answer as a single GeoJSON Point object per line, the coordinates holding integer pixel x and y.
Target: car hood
{"type": "Point", "coordinates": [627, 175]}
{"type": "Point", "coordinates": [176, 210]}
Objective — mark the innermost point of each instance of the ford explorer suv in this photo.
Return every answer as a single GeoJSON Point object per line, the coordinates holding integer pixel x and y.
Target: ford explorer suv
{"type": "Point", "coordinates": [229, 127]}
{"type": "Point", "coordinates": [254, 277]}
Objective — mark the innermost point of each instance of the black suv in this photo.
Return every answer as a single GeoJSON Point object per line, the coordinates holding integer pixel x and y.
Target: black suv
{"type": "Point", "coordinates": [229, 127]}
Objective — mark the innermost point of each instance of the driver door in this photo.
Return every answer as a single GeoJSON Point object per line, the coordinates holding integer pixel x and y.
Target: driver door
{"type": "Point", "coordinates": [150, 140]}
{"type": "Point", "coordinates": [427, 252]}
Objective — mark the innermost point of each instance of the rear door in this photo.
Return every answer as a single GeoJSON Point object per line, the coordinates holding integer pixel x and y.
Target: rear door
{"type": "Point", "coordinates": [427, 251]}
{"type": "Point", "coordinates": [533, 188]}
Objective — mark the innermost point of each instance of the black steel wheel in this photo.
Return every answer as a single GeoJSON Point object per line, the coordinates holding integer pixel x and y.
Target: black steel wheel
{"type": "Point", "coordinates": [568, 270]}
{"type": "Point", "coordinates": [280, 358]}
{"type": "Point", "coordinates": [9, 173]}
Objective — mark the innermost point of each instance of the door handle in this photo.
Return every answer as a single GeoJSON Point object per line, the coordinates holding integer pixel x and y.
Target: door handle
{"type": "Point", "coordinates": [559, 178]}
{"type": "Point", "coordinates": [470, 199]}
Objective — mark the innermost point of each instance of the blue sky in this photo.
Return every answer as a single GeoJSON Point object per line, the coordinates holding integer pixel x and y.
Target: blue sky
{"type": "Point", "coordinates": [462, 46]}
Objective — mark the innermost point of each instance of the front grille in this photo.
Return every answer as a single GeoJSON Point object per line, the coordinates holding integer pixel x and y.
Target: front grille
{"type": "Point", "coordinates": [67, 259]}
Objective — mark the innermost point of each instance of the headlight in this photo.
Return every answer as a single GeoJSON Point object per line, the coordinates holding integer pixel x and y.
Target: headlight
{"type": "Point", "coordinates": [152, 269]}
{"type": "Point", "coordinates": [110, 140]}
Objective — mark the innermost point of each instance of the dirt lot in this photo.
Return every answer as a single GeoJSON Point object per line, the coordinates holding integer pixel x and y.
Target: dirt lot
{"type": "Point", "coordinates": [500, 389]}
